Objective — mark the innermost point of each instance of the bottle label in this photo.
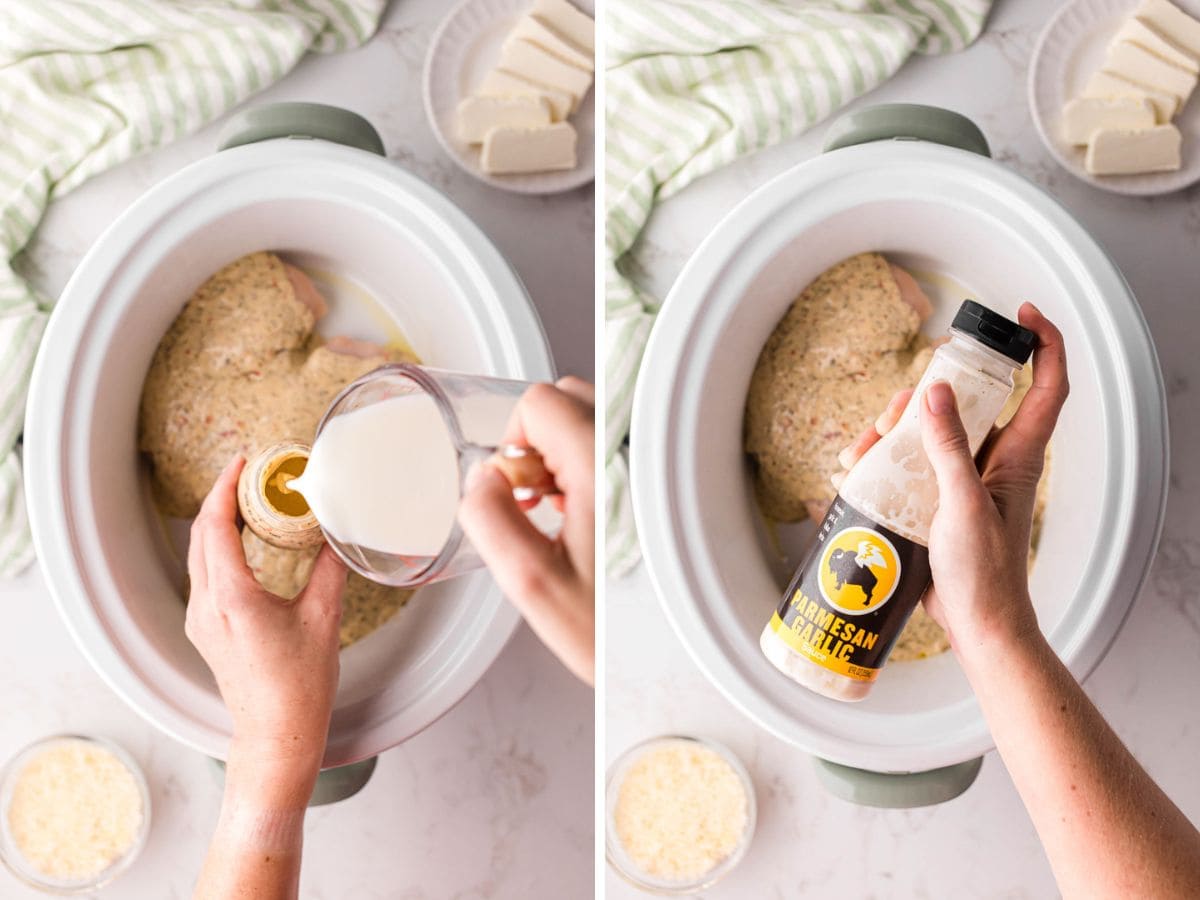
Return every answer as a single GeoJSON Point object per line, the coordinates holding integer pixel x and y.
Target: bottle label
{"type": "Point", "coordinates": [850, 598]}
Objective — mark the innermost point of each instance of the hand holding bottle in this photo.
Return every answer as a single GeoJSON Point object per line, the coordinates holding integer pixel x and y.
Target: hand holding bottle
{"type": "Point", "coordinates": [870, 563]}
{"type": "Point", "coordinates": [1093, 806]}
{"type": "Point", "coordinates": [979, 537]}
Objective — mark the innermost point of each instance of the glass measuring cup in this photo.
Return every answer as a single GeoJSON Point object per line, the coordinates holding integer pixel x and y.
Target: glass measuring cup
{"type": "Point", "coordinates": [474, 410]}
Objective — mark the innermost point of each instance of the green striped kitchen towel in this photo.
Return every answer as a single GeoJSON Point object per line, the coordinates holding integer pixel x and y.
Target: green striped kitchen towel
{"type": "Point", "coordinates": [86, 84]}
{"type": "Point", "coordinates": [694, 84]}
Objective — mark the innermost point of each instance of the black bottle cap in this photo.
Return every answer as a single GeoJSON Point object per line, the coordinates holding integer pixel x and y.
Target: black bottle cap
{"type": "Point", "coordinates": [993, 330]}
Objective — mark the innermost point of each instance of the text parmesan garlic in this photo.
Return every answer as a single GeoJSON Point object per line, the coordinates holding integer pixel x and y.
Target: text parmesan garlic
{"type": "Point", "coordinates": [681, 811]}
{"type": "Point", "coordinates": [76, 809]}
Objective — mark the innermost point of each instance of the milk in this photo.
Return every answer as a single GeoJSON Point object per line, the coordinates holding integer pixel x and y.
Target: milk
{"type": "Point", "coordinates": [869, 566]}
{"type": "Point", "coordinates": [386, 477]}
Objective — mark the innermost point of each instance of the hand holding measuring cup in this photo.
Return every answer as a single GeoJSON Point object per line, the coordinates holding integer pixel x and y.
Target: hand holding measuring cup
{"type": "Point", "coordinates": [389, 463]}
{"type": "Point", "coordinates": [552, 581]}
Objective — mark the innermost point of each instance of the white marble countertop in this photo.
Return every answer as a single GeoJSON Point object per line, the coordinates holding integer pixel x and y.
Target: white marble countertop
{"type": "Point", "coordinates": [494, 799]}
{"type": "Point", "coordinates": [981, 844]}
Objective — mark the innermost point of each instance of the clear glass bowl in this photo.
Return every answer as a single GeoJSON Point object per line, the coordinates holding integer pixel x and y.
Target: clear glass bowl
{"type": "Point", "coordinates": [623, 863]}
{"type": "Point", "coordinates": [11, 855]}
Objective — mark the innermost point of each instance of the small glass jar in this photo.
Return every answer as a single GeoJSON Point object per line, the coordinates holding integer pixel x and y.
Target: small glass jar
{"type": "Point", "coordinates": [10, 852]}
{"type": "Point", "coordinates": [621, 860]}
{"type": "Point", "coordinates": [271, 510]}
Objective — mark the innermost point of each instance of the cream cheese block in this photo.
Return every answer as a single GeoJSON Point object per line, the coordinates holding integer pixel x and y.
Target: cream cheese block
{"type": "Point", "coordinates": [1105, 84]}
{"type": "Point", "coordinates": [1113, 152]}
{"type": "Point", "coordinates": [1143, 67]}
{"type": "Point", "coordinates": [1084, 116]}
{"type": "Point", "coordinates": [1135, 31]}
{"type": "Point", "coordinates": [1171, 23]}
{"type": "Point", "coordinates": [508, 150]}
{"type": "Point", "coordinates": [498, 83]}
{"type": "Point", "coordinates": [479, 115]}
{"type": "Point", "coordinates": [568, 21]}
{"type": "Point", "coordinates": [534, 30]}
{"type": "Point", "coordinates": [530, 61]}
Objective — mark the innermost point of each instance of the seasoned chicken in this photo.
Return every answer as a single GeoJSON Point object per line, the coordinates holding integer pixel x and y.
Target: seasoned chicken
{"type": "Point", "coordinates": [239, 369]}
{"type": "Point", "coordinates": [847, 343]}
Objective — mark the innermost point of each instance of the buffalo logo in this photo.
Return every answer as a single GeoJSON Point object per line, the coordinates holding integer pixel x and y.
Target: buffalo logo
{"type": "Point", "coordinates": [859, 571]}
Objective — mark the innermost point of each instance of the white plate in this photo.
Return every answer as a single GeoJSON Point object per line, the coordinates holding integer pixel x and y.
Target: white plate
{"type": "Point", "coordinates": [464, 49]}
{"type": "Point", "coordinates": [1069, 51]}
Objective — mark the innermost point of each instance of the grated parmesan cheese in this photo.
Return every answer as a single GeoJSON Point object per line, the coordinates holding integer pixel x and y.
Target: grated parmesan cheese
{"type": "Point", "coordinates": [681, 811]}
{"type": "Point", "coordinates": [75, 810]}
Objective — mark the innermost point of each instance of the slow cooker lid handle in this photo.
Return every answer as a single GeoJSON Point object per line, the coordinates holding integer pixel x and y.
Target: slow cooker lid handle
{"type": "Point", "coordinates": [906, 121]}
{"type": "Point", "coordinates": [896, 790]}
{"type": "Point", "coordinates": [300, 120]}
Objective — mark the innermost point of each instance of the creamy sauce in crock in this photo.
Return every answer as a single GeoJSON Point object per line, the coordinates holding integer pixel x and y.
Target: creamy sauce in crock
{"type": "Point", "coordinates": [846, 344]}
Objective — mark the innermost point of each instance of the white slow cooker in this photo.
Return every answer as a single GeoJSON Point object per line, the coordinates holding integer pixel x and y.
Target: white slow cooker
{"type": "Point", "coordinates": [968, 227]}
{"type": "Point", "coordinates": [389, 252]}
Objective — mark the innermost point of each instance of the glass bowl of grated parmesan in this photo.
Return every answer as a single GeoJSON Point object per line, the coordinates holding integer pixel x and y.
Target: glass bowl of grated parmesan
{"type": "Point", "coordinates": [679, 812]}
{"type": "Point", "coordinates": [75, 813]}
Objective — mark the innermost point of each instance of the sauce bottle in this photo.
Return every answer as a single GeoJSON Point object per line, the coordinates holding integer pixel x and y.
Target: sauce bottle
{"type": "Point", "coordinates": [869, 565]}
{"type": "Point", "coordinates": [270, 508]}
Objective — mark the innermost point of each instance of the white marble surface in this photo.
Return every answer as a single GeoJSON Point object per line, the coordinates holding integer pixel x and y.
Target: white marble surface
{"type": "Point", "coordinates": [982, 844]}
{"type": "Point", "coordinates": [494, 800]}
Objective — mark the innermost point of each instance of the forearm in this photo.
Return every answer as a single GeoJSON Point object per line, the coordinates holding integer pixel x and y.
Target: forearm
{"type": "Point", "coordinates": [1108, 829]}
{"type": "Point", "coordinates": [256, 849]}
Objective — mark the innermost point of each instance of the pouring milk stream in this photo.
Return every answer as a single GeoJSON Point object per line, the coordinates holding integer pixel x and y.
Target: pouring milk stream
{"type": "Point", "coordinates": [385, 476]}
{"type": "Point", "coordinates": [869, 565]}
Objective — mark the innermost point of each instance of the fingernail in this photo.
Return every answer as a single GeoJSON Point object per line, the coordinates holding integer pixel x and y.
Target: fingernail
{"type": "Point", "coordinates": [845, 459]}
{"type": "Point", "coordinates": [939, 396]}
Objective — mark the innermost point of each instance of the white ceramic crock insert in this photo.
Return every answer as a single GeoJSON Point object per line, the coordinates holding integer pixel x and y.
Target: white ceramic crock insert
{"type": "Point", "coordinates": [934, 209]}
{"type": "Point", "coordinates": [331, 209]}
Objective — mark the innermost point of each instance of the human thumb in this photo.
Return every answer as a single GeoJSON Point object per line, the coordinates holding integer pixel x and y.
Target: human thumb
{"type": "Point", "coordinates": [945, 441]}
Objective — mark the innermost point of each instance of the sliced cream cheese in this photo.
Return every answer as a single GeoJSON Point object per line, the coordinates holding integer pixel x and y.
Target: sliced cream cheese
{"type": "Point", "coordinates": [567, 20]}
{"type": "Point", "coordinates": [1171, 23]}
{"type": "Point", "coordinates": [538, 32]}
{"type": "Point", "coordinates": [1084, 116]}
{"type": "Point", "coordinates": [1135, 31]}
{"type": "Point", "coordinates": [1113, 152]}
{"type": "Point", "coordinates": [479, 115]}
{"type": "Point", "coordinates": [498, 83]}
{"type": "Point", "coordinates": [530, 61]}
{"type": "Point", "coordinates": [508, 150]}
{"type": "Point", "coordinates": [1106, 84]}
{"type": "Point", "coordinates": [1143, 67]}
